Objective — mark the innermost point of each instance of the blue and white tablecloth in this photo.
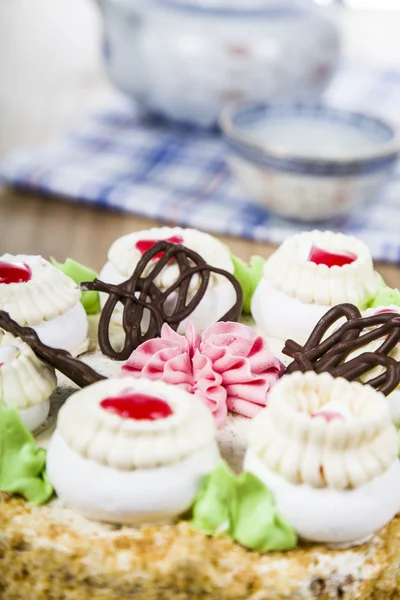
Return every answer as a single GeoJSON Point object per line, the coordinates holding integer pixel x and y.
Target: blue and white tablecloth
{"type": "Point", "coordinates": [121, 160]}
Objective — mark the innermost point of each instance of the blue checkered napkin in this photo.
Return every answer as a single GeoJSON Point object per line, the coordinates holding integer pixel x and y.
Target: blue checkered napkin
{"type": "Point", "coordinates": [121, 160]}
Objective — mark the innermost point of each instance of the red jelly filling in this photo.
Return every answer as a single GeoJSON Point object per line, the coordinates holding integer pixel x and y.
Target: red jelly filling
{"type": "Point", "coordinates": [14, 272]}
{"type": "Point", "coordinates": [144, 245]}
{"type": "Point", "coordinates": [328, 415]}
{"type": "Point", "coordinates": [138, 406]}
{"type": "Point", "coordinates": [331, 259]}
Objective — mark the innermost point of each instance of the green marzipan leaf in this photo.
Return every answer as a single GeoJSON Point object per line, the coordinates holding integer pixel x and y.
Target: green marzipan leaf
{"type": "Point", "coordinates": [22, 464]}
{"type": "Point", "coordinates": [79, 273]}
{"type": "Point", "coordinates": [243, 507]}
{"type": "Point", "coordinates": [211, 509]}
{"type": "Point", "coordinates": [249, 277]}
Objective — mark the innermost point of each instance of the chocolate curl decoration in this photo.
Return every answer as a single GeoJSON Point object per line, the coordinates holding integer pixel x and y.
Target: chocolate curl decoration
{"type": "Point", "coordinates": [330, 353]}
{"type": "Point", "coordinates": [139, 294]}
{"type": "Point", "coordinates": [73, 368]}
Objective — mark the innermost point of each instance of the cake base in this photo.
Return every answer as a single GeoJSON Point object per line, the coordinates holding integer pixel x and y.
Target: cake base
{"type": "Point", "coordinates": [50, 553]}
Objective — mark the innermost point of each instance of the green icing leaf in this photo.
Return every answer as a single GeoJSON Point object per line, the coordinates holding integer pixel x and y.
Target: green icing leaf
{"type": "Point", "coordinates": [370, 300]}
{"type": "Point", "coordinates": [245, 508]}
{"type": "Point", "coordinates": [256, 521]}
{"type": "Point", "coordinates": [248, 276]}
{"type": "Point", "coordinates": [386, 297]}
{"type": "Point", "coordinates": [22, 464]}
{"type": "Point", "coordinates": [79, 273]}
{"type": "Point", "coordinates": [211, 510]}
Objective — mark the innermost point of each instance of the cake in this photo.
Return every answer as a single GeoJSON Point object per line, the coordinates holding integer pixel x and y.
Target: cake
{"type": "Point", "coordinates": [137, 450]}
{"type": "Point", "coordinates": [328, 451]}
{"type": "Point", "coordinates": [307, 275]}
{"type": "Point", "coordinates": [131, 451]}
{"type": "Point", "coordinates": [25, 381]}
{"type": "Point", "coordinates": [40, 296]}
{"type": "Point", "coordinates": [126, 252]}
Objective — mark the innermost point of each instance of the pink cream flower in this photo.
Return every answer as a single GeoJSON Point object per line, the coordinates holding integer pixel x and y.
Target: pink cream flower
{"type": "Point", "coordinates": [228, 367]}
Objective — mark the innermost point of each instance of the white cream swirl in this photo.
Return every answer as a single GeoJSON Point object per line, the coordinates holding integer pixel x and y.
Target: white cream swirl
{"type": "Point", "coordinates": [220, 295]}
{"type": "Point", "coordinates": [340, 453]}
{"type": "Point", "coordinates": [289, 271]}
{"type": "Point", "coordinates": [47, 295]}
{"type": "Point", "coordinates": [124, 256]}
{"type": "Point", "coordinates": [25, 380]}
{"type": "Point", "coordinates": [128, 444]}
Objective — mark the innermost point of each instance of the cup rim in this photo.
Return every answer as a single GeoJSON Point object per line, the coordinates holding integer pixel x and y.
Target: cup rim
{"type": "Point", "coordinates": [277, 8]}
{"type": "Point", "coordinates": [233, 133]}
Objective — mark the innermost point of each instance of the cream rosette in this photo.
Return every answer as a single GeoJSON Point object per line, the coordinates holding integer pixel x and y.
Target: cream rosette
{"type": "Point", "coordinates": [117, 469]}
{"type": "Point", "coordinates": [25, 381]}
{"type": "Point", "coordinates": [48, 301]}
{"type": "Point", "coordinates": [328, 450]}
{"type": "Point", "coordinates": [295, 292]}
{"type": "Point", "coordinates": [220, 296]}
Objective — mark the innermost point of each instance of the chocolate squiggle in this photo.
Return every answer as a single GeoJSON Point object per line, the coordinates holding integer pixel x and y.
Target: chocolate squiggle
{"type": "Point", "coordinates": [139, 294]}
{"type": "Point", "coordinates": [321, 353]}
{"type": "Point", "coordinates": [73, 368]}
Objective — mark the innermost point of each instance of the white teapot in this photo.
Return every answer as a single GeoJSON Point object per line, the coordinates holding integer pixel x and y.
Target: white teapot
{"type": "Point", "coordinates": [187, 59]}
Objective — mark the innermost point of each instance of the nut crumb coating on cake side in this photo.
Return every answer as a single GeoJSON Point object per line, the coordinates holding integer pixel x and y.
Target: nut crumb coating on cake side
{"type": "Point", "coordinates": [66, 557]}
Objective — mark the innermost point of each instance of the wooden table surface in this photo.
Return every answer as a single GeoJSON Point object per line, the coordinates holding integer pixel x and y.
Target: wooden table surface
{"type": "Point", "coordinates": [51, 75]}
